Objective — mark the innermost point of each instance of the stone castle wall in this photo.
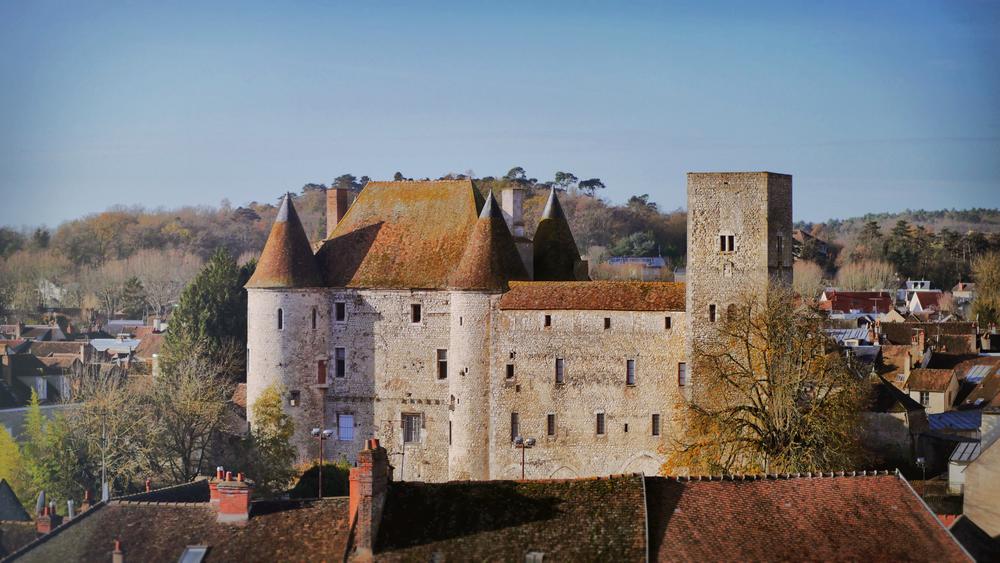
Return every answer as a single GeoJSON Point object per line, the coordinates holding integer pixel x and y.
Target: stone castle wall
{"type": "Point", "coordinates": [594, 360]}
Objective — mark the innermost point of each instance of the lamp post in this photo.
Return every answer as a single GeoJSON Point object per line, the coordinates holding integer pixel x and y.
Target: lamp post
{"type": "Point", "coordinates": [321, 435]}
{"type": "Point", "coordinates": [523, 443]}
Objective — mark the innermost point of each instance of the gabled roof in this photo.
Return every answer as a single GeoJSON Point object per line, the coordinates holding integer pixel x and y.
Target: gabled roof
{"type": "Point", "coordinates": [889, 398]}
{"type": "Point", "coordinates": [556, 256]}
{"type": "Point", "coordinates": [10, 506]}
{"type": "Point", "coordinates": [815, 517]}
{"type": "Point", "coordinates": [926, 379]}
{"type": "Point", "coordinates": [927, 299]}
{"type": "Point", "coordinates": [864, 301]}
{"type": "Point", "coordinates": [401, 235]}
{"type": "Point", "coordinates": [975, 540]}
{"type": "Point", "coordinates": [287, 260]}
{"type": "Point", "coordinates": [490, 259]}
{"type": "Point", "coordinates": [595, 296]}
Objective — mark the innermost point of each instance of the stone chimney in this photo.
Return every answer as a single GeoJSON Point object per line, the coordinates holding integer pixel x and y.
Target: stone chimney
{"type": "Point", "coordinates": [47, 521]}
{"type": "Point", "coordinates": [337, 202]}
{"type": "Point", "coordinates": [512, 204]}
{"type": "Point", "coordinates": [369, 482]}
{"type": "Point", "coordinates": [234, 499]}
{"type": "Point", "coordinates": [118, 556]}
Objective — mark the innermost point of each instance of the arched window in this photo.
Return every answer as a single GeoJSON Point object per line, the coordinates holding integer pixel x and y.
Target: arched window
{"type": "Point", "coordinates": [281, 319]}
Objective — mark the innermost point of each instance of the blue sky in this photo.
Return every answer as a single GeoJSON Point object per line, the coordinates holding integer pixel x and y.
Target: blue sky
{"type": "Point", "coordinates": [871, 106]}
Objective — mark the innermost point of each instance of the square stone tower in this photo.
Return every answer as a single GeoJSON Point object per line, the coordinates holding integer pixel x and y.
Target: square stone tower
{"type": "Point", "coordinates": [739, 239]}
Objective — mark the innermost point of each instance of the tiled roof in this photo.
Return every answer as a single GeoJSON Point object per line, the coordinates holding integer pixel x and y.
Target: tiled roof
{"type": "Point", "coordinates": [900, 333]}
{"type": "Point", "coordinates": [403, 235]}
{"type": "Point", "coordinates": [62, 347]}
{"type": "Point", "coordinates": [490, 259]}
{"type": "Point", "coordinates": [595, 296]}
{"type": "Point", "coordinates": [865, 301]}
{"type": "Point", "coordinates": [567, 520]}
{"type": "Point", "coordinates": [287, 259]}
{"type": "Point", "coordinates": [889, 398]}
{"type": "Point", "coordinates": [843, 518]}
{"type": "Point", "coordinates": [556, 256]}
{"type": "Point", "coordinates": [928, 298]}
{"type": "Point", "coordinates": [150, 344]}
{"type": "Point", "coordinates": [294, 530]}
{"type": "Point", "coordinates": [925, 379]}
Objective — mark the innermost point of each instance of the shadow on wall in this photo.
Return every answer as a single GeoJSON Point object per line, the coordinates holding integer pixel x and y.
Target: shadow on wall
{"type": "Point", "coordinates": [459, 509]}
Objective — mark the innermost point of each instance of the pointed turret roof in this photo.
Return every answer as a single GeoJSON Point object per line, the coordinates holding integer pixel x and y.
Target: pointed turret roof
{"type": "Point", "coordinates": [10, 506]}
{"type": "Point", "coordinates": [490, 259]}
{"type": "Point", "coordinates": [556, 256]}
{"type": "Point", "coordinates": [287, 259]}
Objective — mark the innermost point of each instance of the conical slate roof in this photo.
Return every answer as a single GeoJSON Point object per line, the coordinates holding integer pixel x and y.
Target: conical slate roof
{"type": "Point", "coordinates": [287, 259]}
{"type": "Point", "coordinates": [555, 253]}
{"type": "Point", "coordinates": [490, 259]}
{"type": "Point", "coordinates": [10, 507]}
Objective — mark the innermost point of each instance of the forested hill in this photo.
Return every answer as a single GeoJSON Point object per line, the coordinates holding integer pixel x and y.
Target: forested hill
{"type": "Point", "coordinates": [956, 220]}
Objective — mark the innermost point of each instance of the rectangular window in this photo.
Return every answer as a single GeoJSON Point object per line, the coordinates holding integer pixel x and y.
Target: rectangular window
{"type": "Point", "coordinates": [415, 313]}
{"type": "Point", "coordinates": [560, 371]}
{"type": "Point", "coordinates": [682, 374]}
{"type": "Point", "coordinates": [345, 427]}
{"type": "Point", "coordinates": [411, 428]}
{"type": "Point", "coordinates": [925, 398]}
{"type": "Point", "coordinates": [340, 311]}
{"type": "Point", "coordinates": [666, 323]}
{"type": "Point", "coordinates": [727, 243]}
{"type": "Point", "coordinates": [515, 426]}
{"type": "Point", "coordinates": [293, 398]}
{"type": "Point", "coordinates": [629, 372]}
{"type": "Point", "coordinates": [510, 371]}
{"type": "Point", "coordinates": [548, 321]}
{"type": "Point", "coordinates": [607, 323]}
{"type": "Point", "coordinates": [550, 425]}
{"type": "Point", "coordinates": [314, 318]}
{"type": "Point", "coordinates": [449, 432]}
{"type": "Point", "coordinates": [781, 247]}
{"type": "Point", "coordinates": [711, 313]}
{"type": "Point", "coordinates": [340, 362]}
{"type": "Point", "coordinates": [656, 425]}
{"type": "Point", "coordinates": [600, 423]}
{"type": "Point", "coordinates": [442, 359]}
{"type": "Point", "coordinates": [321, 372]}
{"type": "Point", "coordinates": [281, 319]}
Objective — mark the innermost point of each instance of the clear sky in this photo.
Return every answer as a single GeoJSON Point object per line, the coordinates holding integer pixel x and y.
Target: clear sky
{"type": "Point", "coordinates": [872, 106]}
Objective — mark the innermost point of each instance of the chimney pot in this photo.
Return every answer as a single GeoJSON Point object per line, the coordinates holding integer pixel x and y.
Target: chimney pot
{"type": "Point", "coordinates": [218, 472]}
{"type": "Point", "coordinates": [229, 475]}
{"type": "Point", "coordinates": [149, 485]}
{"type": "Point", "coordinates": [118, 556]}
{"type": "Point", "coordinates": [239, 476]}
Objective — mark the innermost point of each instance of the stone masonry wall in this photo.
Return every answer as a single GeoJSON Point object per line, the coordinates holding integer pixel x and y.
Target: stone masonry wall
{"type": "Point", "coordinates": [594, 381]}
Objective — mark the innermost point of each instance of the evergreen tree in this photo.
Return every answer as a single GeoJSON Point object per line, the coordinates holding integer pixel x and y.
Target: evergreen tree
{"type": "Point", "coordinates": [133, 301]}
{"type": "Point", "coordinates": [212, 312]}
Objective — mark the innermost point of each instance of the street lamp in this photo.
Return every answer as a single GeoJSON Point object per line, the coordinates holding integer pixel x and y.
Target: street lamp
{"type": "Point", "coordinates": [922, 464]}
{"type": "Point", "coordinates": [523, 443]}
{"type": "Point", "coordinates": [321, 435]}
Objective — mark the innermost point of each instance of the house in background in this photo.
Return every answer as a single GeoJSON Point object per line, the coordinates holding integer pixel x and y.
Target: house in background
{"type": "Point", "coordinates": [835, 301]}
{"type": "Point", "coordinates": [982, 484]}
{"type": "Point", "coordinates": [925, 301]}
{"type": "Point", "coordinates": [893, 423]}
{"type": "Point", "coordinates": [935, 389]}
{"type": "Point", "coordinates": [896, 363]}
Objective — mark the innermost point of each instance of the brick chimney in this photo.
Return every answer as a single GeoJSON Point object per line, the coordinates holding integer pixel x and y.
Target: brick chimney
{"type": "Point", "coordinates": [234, 499]}
{"type": "Point", "coordinates": [47, 521]}
{"type": "Point", "coordinates": [369, 482]}
{"type": "Point", "coordinates": [213, 486]}
{"type": "Point", "coordinates": [337, 202]}
{"type": "Point", "coordinates": [87, 501]}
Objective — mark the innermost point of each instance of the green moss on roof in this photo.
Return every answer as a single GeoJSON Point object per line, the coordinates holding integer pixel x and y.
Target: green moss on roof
{"type": "Point", "coordinates": [401, 235]}
{"type": "Point", "coordinates": [490, 259]}
{"type": "Point", "coordinates": [287, 260]}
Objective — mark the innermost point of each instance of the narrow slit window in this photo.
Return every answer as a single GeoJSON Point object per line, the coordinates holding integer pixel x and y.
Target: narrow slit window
{"type": "Point", "coordinates": [314, 318]}
{"type": "Point", "coordinates": [281, 319]}
{"type": "Point", "coordinates": [560, 371]}
{"type": "Point", "coordinates": [415, 313]}
{"type": "Point", "coordinates": [682, 374]}
{"type": "Point", "coordinates": [656, 425]}
{"type": "Point", "coordinates": [607, 323]}
{"type": "Point", "coordinates": [629, 372]}
{"type": "Point", "coordinates": [340, 362]}
{"type": "Point", "coordinates": [600, 423]}
{"type": "Point", "coordinates": [515, 426]}
{"type": "Point", "coordinates": [442, 361]}
{"type": "Point", "coordinates": [510, 371]}
{"type": "Point", "coordinates": [711, 313]}
{"type": "Point", "coordinates": [340, 311]}
{"type": "Point", "coordinates": [550, 425]}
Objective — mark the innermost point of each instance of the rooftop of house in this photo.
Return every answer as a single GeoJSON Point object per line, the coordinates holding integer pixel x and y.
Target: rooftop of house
{"type": "Point", "coordinates": [960, 421]}
{"type": "Point", "coordinates": [10, 506]}
{"type": "Point", "coordinates": [902, 333]}
{"type": "Point", "coordinates": [933, 380]}
{"type": "Point", "coordinates": [595, 296]}
{"type": "Point", "coordinates": [975, 540]}
{"type": "Point", "coordinates": [150, 344]}
{"type": "Point", "coordinates": [888, 397]}
{"type": "Point", "coordinates": [864, 301]}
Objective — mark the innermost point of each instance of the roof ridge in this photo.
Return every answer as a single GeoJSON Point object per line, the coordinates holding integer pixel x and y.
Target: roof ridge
{"type": "Point", "coordinates": [777, 476]}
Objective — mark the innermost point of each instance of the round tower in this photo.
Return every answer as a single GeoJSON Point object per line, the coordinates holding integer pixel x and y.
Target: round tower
{"type": "Point", "coordinates": [286, 317]}
{"type": "Point", "coordinates": [489, 261]}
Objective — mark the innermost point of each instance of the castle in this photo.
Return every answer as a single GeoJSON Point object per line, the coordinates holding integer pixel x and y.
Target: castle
{"type": "Point", "coordinates": [428, 320]}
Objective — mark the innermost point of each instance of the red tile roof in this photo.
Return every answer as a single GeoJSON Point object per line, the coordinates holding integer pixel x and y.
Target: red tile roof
{"type": "Point", "coordinates": [864, 301]}
{"type": "Point", "coordinates": [925, 379]}
{"type": "Point", "coordinates": [595, 296]}
{"type": "Point", "coordinates": [928, 299]}
{"type": "Point", "coordinates": [870, 518]}
{"type": "Point", "coordinates": [287, 259]}
{"type": "Point", "coordinates": [404, 235]}
{"type": "Point", "coordinates": [490, 259]}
